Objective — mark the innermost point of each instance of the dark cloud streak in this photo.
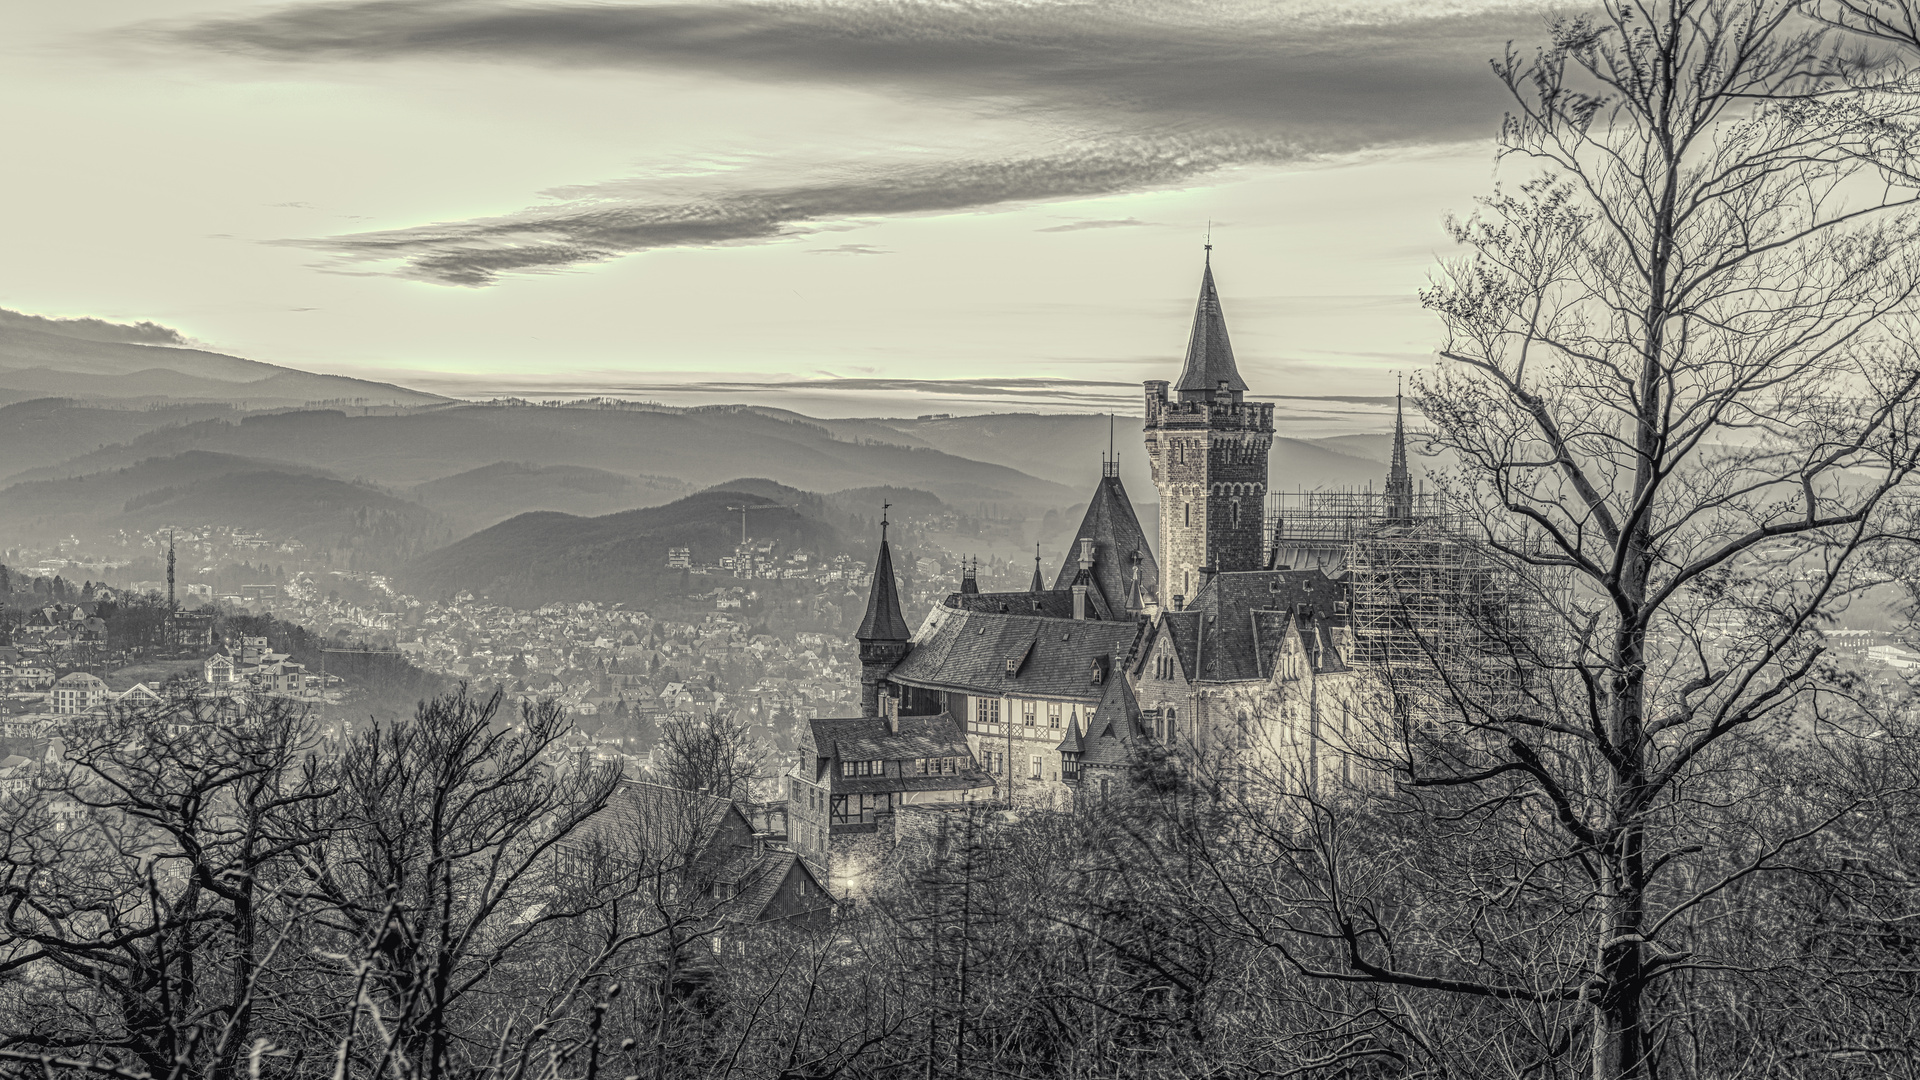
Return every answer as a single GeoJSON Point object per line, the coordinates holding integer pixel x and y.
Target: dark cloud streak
{"type": "Point", "coordinates": [1160, 93]}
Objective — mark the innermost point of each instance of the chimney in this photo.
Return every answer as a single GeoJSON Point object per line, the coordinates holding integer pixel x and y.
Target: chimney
{"type": "Point", "coordinates": [1179, 601]}
{"type": "Point", "coordinates": [1084, 579]}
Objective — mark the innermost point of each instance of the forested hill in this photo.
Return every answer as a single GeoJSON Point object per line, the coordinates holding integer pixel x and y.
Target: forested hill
{"type": "Point", "coordinates": [543, 557]}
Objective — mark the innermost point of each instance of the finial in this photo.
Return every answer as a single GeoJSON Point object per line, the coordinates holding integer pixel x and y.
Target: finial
{"type": "Point", "coordinates": [884, 507]}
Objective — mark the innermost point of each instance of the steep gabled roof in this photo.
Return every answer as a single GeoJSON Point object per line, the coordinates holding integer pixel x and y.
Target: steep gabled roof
{"type": "Point", "coordinates": [1239, 622]}
{"type": "Point", "coordinates": [1209, 353]}
{"type": "Point", "coordinates": [884, 622]}
{"type": "Point", "coordinates": [1118, 543]}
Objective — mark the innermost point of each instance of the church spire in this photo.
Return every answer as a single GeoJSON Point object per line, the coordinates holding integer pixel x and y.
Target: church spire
{"type": "Point", "coordinates": [884, 622]}
{"type": "Point", "coordinates": [1209, 352]}
{"type": "Point", "coordinates": [1038, 584]}
{"type": "Point", "coordinates": [1399, 478]}
{"type": "Point", "coordinates": [883, 635]}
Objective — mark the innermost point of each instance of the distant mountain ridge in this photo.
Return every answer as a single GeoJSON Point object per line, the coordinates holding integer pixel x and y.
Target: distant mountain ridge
{"type": "Point", "coordinates": [36, 359]}
{"type": "Point", "coordinates": [699, 446]}
{"type": "Point", "coordinates": [277, 499]}
{"type": "Point", "coordinates": [490, 494]}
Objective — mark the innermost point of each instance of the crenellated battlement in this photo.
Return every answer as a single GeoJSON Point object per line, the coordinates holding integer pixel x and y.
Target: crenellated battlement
{"type": "Point", "coordinates": [1222, 413]}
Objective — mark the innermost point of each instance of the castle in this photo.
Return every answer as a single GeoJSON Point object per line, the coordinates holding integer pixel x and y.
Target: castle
{"type": "Point", "coordinates": [1037, 698]}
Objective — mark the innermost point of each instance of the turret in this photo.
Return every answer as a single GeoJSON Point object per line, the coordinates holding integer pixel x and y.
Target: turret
{"type": "Point", "coordinates": [883, 634]}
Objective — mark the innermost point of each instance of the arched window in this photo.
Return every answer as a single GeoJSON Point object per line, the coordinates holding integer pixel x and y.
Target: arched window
{"type": "Point", "coordinates": [1173, 729]}
{"type": "Point", "coordinates": [1236, 513]}
{"type": "Point", "coordinates": [1187, 508]}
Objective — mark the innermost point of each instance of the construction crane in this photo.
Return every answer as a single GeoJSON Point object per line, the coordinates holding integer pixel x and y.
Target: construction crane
{"type": "Point", "coordinates": [759, 506]}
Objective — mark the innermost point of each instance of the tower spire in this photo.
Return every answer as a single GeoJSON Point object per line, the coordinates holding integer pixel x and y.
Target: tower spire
{"type": "Point", "coordinates": [883, 634]}
{"type": "Point", "coordinates": [1399, 477]}
{"type": "Point", "coordinates": [1038, 585]}
{"type": "Point", "coordinates": [1209, 368]}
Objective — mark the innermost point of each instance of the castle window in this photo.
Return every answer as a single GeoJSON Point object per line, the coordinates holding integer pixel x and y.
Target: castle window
{"type": "Point", "coordinates": [1173, 729]}
{"type": "Point", "coordinates": [1236, 513]}
{"type": "Point", "coordinates": [1187, 509]}
{"type": "Point", "coordinates": [1027, 712]}
{"type": "Point", "coordinates": [1034, 764]}
{"type": "Point", "coordinates": [1053, 714]}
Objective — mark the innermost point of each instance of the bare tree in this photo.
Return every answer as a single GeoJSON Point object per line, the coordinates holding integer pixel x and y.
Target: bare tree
{"type": "Point", "coordinates": [439, 879]}
{"type": "Point", "coordinates": [717, 755]}
{"type": "Point", "coordinates": [137, 906]}
{"type": "Point", "coordinates": [1680, 377]}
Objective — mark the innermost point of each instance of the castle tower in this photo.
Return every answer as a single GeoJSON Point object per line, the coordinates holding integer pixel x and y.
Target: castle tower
{"type": "Point", "coordinates": [1208, 447]}
{"type": "Point", "coordinates": [883, 634]}
{"type": "Point", "coordinates": [1399, 478]}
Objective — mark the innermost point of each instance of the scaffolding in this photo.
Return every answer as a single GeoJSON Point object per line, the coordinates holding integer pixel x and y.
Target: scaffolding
{"type": "Point", "coordinates": [1434, 610]}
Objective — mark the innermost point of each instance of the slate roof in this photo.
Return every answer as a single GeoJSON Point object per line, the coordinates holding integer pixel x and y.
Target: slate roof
{"type": "Point", "coordinates": [1118, 541]}
{"type": "Point", "coordinates": [884, 622]}
{"type": "Point", "coordinates": [1116, 727]}
{"type": "Point", "coordinates": [1071, 743]}
{"type": "Point", "coordinates": [1052, 603]}
{"type": "Point", "coordinates": [866, 738]}
{"type": "Point", "coordinates": [1330, 558]}
{"type": "Point", "coordinates": [761, 882]}
{"type": "Point", "coordinates": [967, 651]}
{"type": "Point", "coordinates": [1209, 353]}
{"type": "Point", "coordinates": [1239, 621]}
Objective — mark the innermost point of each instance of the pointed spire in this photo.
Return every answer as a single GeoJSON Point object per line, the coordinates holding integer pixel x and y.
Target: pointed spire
{"type": "Point", "coordinates": [883, 622]}
{"type": "Point", "coordinates": [969, 576]}
{"type": "Point", "coordinates": [1399, 477]}
{"type": "Point", "coordinates": [1038, 585]}
{"type": "Point", "coordinates": [1209, 352]}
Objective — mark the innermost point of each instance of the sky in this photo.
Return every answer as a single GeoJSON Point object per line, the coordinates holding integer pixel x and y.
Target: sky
{"type": "Point", "coordinates": [843, 207]}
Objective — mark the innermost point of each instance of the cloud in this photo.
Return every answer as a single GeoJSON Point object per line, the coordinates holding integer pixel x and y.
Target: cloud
{"type": "Point", "coordinates": [596, 227]}
{"type": "Point", "coordinates": [140, 333]}
{"type": "Point", "coordinates": [1076, 226]}
{"type": "Point", "coordinates": [1122, 95]}
{"type": "Point", "coordinates": [1392, 73]}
